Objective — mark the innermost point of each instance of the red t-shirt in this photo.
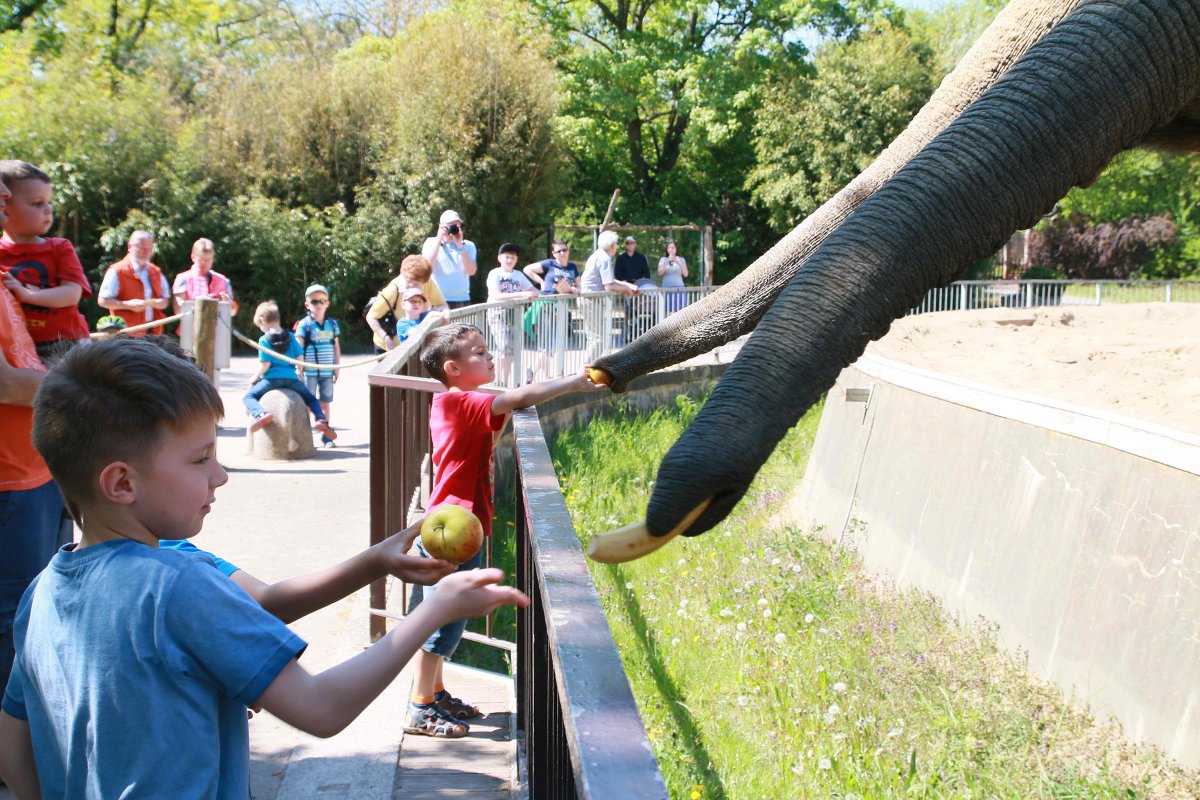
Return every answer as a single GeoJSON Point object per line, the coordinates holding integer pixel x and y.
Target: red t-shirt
{"type": "Point", "coordinates": [46, 264]}
{"type": "Point", "coordinates": [462, 425]}
{"type": "Point", "coordinates": [21, 467]}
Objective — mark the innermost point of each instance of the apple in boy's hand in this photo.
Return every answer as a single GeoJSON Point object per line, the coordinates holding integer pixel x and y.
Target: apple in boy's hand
{"type": "Point", "coordinates": [451, 532]}
{"type": "Point", "coordinates": [599, 376]}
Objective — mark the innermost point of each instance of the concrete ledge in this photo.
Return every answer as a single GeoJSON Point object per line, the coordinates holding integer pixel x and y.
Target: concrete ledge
{"type": "Point", "coordinates": [1075, 530]}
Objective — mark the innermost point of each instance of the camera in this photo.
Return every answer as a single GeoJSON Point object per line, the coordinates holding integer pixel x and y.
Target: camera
{"type": "Point", "coordinates": [453, 229]}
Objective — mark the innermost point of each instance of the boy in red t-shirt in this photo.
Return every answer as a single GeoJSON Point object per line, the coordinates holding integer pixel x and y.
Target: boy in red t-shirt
{"type": "Point", "coordinates": [43, 273]}
{"type": "Point", "coordinates": [463, 424]}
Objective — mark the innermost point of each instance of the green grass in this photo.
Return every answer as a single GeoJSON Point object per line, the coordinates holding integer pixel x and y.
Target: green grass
{"type": "Point", "coordinates": [768, 665]}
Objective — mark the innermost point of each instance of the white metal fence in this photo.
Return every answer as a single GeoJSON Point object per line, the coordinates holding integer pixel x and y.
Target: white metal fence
{"type": "Point", "coordinates": [964, 295]}
{"type": "Point", "coordinates": [557, 335]}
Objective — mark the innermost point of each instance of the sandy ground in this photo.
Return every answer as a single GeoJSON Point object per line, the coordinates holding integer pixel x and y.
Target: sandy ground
{"type": "Point", "coordinates": [1138, 360]}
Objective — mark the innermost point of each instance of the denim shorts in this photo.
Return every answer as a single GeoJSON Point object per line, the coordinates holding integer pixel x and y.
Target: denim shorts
{"type": "Point", "coordinates": [321, 387]}
{"type": "Point", "coordinates": [445, 639]}
{"type": "Point", "coordinates": [33, 525]}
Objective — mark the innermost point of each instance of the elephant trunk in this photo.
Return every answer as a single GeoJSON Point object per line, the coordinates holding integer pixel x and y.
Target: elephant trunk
{"type": "Point", "coordinates": [1088, 89]}
{"type": "Point", "coordinates": [736, 308]}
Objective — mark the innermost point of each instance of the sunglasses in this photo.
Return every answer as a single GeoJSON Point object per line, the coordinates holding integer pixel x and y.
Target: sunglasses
{"type": "Point", "coordinates": [319, 302]}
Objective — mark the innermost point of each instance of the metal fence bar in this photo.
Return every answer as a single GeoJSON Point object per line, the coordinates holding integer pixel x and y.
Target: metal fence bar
{"type": "Point", "coordinates": [584, 737]}
{"type": "Point", "coordinates": [965, 295]}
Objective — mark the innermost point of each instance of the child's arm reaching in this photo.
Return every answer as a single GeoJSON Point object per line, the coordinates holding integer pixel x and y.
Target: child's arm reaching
{"type": "Point", "coordinates": [534, 393]}
{"type": "Point", "coordinates": [67, 294]}
{"type": "Point", "coordinates": [16, 758]}
{"type": "Point", "coordinates": [325, 703]}
{"type": "Point", "coordinates": [291, 599]}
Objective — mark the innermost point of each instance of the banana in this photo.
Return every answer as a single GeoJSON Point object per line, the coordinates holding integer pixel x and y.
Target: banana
{"type": "Point", "coordinates": [634, 541]}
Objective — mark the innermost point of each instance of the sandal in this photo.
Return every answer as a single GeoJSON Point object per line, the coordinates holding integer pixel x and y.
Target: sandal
{"type": "Point", "coordinates": [432, 721]}
{"type": "Point", "coordinates": [456, 708]}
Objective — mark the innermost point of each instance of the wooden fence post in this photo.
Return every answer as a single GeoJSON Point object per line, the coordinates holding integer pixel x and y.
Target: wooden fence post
{"type": "Point", "coordinates": [204, 335]}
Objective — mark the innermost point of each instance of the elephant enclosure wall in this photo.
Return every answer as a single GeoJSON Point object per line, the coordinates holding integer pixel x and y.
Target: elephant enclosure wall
{"type": "Point", "coordinates": [1076, 530]}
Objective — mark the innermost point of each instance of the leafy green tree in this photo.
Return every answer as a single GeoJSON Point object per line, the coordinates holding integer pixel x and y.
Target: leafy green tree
{"type": "Point", "coordinates": [817, 132]}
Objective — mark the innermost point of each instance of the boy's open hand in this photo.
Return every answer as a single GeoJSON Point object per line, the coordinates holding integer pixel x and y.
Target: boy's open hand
{"type": "Point", "coordinates": [413, 569]}
{"type": "Point", "coordinates": [474, 593]}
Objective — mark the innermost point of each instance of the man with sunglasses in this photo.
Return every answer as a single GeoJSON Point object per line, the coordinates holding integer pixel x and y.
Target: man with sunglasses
{"type": "Point", "coordinates": [452, 256]}
{"type": "Point", "coordinates": [319, 335]}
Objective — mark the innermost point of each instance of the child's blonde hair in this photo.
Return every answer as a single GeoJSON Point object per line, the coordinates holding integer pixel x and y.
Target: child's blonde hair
{"type": "Point", "coordinates": [203, 246]}
{"type": "Point", "coordinates": [267, 313]}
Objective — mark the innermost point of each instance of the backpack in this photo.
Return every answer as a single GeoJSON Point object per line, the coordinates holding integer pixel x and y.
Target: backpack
{"type": "Point", "coordinates": [388, 320]}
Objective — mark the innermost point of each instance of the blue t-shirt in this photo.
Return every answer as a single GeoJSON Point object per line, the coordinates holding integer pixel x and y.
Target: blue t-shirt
{"type": "Point", "coordinates": [186, 546]}
{"type": "Point", "coordinates": [404, 326]}
{"type": "Point", "coordinates": [280, 370]}
{"type": "Point", "coordinates": [134, 669]}
{"type": "Point", "coordinates": [552, 273]}
{"type": "Point", "coordinates": [318, 343]}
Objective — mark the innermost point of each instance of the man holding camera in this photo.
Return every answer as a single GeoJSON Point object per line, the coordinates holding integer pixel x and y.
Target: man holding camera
{"type": "Point", "coordinates": [453, 258]}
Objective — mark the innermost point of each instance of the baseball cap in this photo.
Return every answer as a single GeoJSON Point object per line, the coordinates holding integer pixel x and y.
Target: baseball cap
{"type": "Point", "coordinates": [509, 247]}
{"type": "Point", "coordinates": [109, 322]}
{"type": "Point", "coordinates": [316, 287]}
{"type": "Point", "coordinates": [629, 239]}
{"type": "Point", "coordinates": [413, 292]}
{"type": "Point", "coordinates": [449, 216]}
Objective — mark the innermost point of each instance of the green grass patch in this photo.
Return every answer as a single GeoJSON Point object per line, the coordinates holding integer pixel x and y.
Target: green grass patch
{"type": "Point", "coordinates": [767, 664]}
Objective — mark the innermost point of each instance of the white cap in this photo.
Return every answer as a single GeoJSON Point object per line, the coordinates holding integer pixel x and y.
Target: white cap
{"type": "Point", "coordinates": [449, 216]}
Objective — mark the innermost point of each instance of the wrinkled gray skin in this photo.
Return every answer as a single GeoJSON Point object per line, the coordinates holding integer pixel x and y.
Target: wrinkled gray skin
{"type": "Point", "coordinates": [1042, 102]}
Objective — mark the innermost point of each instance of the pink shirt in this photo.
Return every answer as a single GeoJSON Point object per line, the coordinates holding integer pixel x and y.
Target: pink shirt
{"type": "Point", "coordinates": [192, 285]}
{"type": "Point", "coordinates": [461, 425]}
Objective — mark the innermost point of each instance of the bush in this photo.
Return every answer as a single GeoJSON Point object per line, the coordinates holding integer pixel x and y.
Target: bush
{"type": "Point", "coordinates": [1107, 250]}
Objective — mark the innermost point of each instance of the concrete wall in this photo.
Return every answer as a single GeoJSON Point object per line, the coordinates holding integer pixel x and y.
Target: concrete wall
{"type": "Point", "coordinates": [1076, 531]}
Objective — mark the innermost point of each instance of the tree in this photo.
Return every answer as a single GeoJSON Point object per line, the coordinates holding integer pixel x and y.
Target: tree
{"type": "Point", "coordinates": [816, 132]}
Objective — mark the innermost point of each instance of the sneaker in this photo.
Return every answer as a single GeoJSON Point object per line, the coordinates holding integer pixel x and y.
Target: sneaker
{"type": "Point", "coordinates": [327, 442]}
{"type": "Point", "coordinates": [261, 422]}
{"type": "Point", "coordinates": [326, 431]}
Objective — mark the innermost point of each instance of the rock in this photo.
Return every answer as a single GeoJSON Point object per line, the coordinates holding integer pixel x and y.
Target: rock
{"type": "Point", "coordinates": [289, 434]}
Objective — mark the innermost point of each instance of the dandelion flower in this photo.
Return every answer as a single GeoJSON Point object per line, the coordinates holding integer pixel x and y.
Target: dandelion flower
{"type": "Point", "coordinates": [675, 642]}
{"type": "Point", "coordinates": [741, 626]}
{"type": "Point", "coordinates": [834, 710]}
{"type": "Point", "coordinates": [725, 612]}
{"type": "Point", "coordinates": [628, 584]}
{"type": "Point", "coordinates": [743, 700]}
{"type": "Point", "coordinates": [766, 612]}
{"type": "Point", "coordinates": [745, 560]}
{"type": "Point", "coordinates": [780, 638]}
{"type": "Point", "coordinates": [775, 562]}
{"type": "Point", "coordinates": [808, 618]}
{"type": "Point", "coordinates": [824, 763]}
{"type": "Point", "coordinates": [839, 687]}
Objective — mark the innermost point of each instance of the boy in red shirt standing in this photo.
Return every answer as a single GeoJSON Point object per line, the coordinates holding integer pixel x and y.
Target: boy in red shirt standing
{"type": "Point", "coordinates": [463, 423]}
{"type": "Point", "coordinates": [42, 272]}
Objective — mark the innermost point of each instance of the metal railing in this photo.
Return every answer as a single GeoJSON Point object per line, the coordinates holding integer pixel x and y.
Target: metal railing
{"type": "Point", "coordinates": [965, 295]}
{"type": "Point", "coordinates": [557, 335]}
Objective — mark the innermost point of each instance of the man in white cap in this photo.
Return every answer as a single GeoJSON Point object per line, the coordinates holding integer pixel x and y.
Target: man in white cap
{"type": "Point", "coordinates": [453, 258]}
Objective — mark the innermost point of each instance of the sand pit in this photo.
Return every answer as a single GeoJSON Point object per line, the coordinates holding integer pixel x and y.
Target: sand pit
{"type": "Point", "coordinates": [1138, 360]}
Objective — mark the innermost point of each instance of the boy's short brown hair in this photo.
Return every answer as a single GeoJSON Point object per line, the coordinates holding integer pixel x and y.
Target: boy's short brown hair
{"type": "Point", "coordinates": [266, 313]}
{"type": "Point", "coordinates": [416, 268]}
{"type": "Point", "coordinates": [110, 401]}
{"type": "Point", "coordinates": [444, 344]}
{"type": "Point", "coordinates": [13, 171]}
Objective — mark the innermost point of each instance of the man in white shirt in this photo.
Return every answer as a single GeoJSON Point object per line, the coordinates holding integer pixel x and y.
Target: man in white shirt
{"type": "Point", "coordinates": [134, 288]}
{"type": "Point", "coordinates": [453, 258]}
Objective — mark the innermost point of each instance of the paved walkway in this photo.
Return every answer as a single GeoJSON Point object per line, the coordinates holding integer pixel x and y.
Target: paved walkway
{"type": "Point", "coordinates": [280, 519]}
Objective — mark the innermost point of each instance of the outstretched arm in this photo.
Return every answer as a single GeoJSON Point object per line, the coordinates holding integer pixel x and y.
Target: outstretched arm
{"type": "Point", "coordinates": [291, 599]}
{"type": "Point", "coordinates": [325, 703]}
{"type": "Point", "coordinates": [534, 393]}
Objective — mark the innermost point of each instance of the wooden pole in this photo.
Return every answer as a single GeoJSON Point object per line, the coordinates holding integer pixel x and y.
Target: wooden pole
{"type": "Point", "coordinates": [204, 335]}
{"type": "Point", "coordinates": [612, 205]}
{"type": "Point", "coordinates": [708, 256]}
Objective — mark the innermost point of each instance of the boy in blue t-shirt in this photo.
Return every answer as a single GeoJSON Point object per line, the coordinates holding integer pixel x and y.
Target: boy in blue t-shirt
{"type": "Point", "coordinates": [319, 335]}
{"type": "Point", "coordinates": [130, 655]}
{"type": "Point", "coordinates": [275, 373]}
{"type": "Point", "coordinates": [416, 308]}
